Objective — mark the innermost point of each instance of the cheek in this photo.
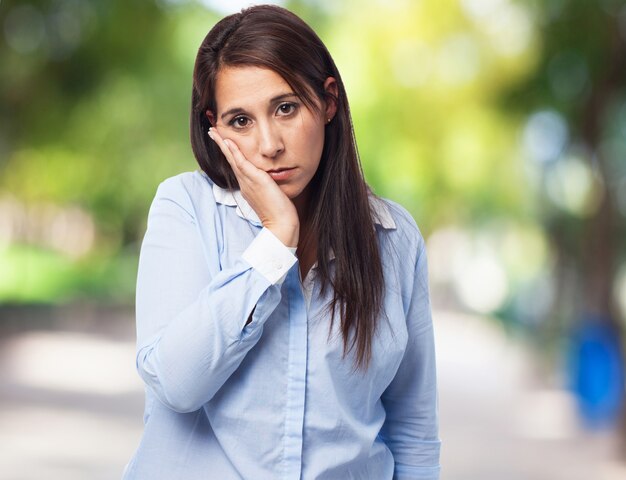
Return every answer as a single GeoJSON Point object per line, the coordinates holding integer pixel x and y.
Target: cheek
{"type": "Point", "coordinates": [307, 136]}
{"type": "Point", "coordinates": [313, 143]}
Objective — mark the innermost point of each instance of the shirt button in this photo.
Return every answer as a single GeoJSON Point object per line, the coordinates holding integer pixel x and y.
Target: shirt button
{"type": "Point", "coordinates": [278, 265]}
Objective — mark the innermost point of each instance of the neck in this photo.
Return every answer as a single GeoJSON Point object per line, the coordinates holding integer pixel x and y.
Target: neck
{"type": "Point", "coordinates": [301, 203]}
{"type": "Point", "coordinates": [307, 244]}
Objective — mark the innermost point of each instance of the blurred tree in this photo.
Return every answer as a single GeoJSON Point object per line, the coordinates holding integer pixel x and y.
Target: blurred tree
{"type": "Point", "coordinates": [94, 106]}
{"type": "Point", "coordinates": [94, 100]}
{"type": "Point", "coordinates": [576, 102]}
{"type": "Point", "coordinates": [423, 79]}
{"type": "Point", "coordinates": [95, 103]}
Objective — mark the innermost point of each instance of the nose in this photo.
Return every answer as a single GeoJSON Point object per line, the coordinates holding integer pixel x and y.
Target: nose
{"type": "Point", "coordinates": [270, 140]}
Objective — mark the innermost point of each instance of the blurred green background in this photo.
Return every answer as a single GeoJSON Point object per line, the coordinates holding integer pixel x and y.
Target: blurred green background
{"type": "Point", "coordinates": [500, 124]}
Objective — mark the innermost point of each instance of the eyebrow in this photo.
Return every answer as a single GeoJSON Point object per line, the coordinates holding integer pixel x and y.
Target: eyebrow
{"type": "Point", "coordinates": [275, 99]}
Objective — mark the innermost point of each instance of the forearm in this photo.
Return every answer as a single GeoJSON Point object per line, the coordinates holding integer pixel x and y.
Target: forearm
{"type": "Point", "coordinates": [192, 310]}
{"type": "Point", "coordinates": [187, 363]}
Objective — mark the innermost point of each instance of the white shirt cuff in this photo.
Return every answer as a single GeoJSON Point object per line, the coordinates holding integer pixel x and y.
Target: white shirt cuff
{"type": "Point", "coordinates": [270, 257]}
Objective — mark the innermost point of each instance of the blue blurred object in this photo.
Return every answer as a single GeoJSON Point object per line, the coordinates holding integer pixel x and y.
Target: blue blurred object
{"type": "Point", "coordinates": [596, 366]}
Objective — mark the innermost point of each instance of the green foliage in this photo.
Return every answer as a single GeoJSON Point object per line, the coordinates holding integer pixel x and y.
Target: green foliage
{"type": "Point", "coordinates": [424, 83]}
{"type": "Point", "coordinates": [34, 275]}
{"type": "Point", "coordinates": [94, 105]}
{"type": "Point", "coordinates": [103, 124]}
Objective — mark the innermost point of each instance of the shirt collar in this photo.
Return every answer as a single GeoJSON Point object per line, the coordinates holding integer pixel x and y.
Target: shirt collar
{"type": "Point", "coordinates": [235, 199]}
{"type": "Point", "coordinates": [381, 214]}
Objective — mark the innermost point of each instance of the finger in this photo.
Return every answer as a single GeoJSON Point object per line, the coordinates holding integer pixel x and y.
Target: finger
{"type": "Point", "coordinates": [217, 138]}
{"type": "Point", "coordinates": [243, 164]}
{"type": "Point", "coordinates": [243, 168]}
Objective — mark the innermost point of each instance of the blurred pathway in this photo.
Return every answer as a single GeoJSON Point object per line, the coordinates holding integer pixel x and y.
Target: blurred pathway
{"type": "Point", "coordinates": [71, 405]}
{"type": "Point", "coordinates": [500, 420]}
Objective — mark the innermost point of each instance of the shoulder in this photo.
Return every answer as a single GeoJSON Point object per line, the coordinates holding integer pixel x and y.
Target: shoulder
{"type": "Point", "coordinates": [406, 233]}
{"type": "Point", "coordinates": [187, 190]}
{"type": "Point", "coordinates": [189, 184]}
{"type": "Point", "coordinates": [404, 252]}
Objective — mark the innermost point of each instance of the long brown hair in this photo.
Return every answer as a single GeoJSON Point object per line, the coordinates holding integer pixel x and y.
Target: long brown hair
{"type": "Point", "coordinates": [271, 37]}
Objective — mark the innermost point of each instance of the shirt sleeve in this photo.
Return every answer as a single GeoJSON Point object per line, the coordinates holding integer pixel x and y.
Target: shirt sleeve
{"type": "Point", "coordinates": [411, 424]}
{"type": "Point", "coordinates": [270, 256]}
{"type": "Point", "coordinates": [191, 319]}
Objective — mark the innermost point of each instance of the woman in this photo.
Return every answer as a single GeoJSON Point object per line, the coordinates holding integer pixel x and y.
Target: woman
{"type": "Point", "coordinates": [283, 317]}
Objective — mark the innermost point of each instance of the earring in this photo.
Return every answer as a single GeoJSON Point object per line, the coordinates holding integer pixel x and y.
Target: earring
{"type": "Point", "coordinates": [328, 120]}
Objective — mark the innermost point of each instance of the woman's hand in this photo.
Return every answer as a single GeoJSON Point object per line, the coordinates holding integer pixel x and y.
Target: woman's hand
{"type": "Point", "coordinates": [275, 210]}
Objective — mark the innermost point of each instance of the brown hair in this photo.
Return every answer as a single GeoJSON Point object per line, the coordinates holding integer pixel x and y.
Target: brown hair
{"type": "Point", "coordinates": [271, 37]}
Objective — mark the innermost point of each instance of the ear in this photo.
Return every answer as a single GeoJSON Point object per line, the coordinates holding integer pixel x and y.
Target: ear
{"type": "Point", "coordinates": [211, 117]}
{"type": "Point", "coordinates": [332, 92]}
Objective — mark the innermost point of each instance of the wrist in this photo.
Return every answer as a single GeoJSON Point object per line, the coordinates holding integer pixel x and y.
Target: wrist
{"type": "Point", "coordinates": [288, 235]}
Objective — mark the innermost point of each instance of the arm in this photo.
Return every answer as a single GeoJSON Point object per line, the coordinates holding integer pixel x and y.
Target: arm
{"type": "Point", "coordinates": [191, 319]}
{"type": "Point", "coordinates": [411, 425]}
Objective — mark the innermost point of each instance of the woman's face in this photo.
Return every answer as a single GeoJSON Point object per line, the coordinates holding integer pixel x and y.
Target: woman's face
{"type": "Point", "coordinates": [276, 132]}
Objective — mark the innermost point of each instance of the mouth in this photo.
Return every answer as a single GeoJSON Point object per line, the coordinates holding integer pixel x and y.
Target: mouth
{"type": "Point", "coordinates": [281, 173]}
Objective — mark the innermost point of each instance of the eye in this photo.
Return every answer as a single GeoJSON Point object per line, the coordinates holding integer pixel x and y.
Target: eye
{"type": "Point", "coordinates": [287, 108]}
{"type": "Point", "coordinates": [239, 122]}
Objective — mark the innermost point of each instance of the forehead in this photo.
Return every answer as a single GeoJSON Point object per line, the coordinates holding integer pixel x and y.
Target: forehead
{"type": "Point", "coordinates": [247, 86]}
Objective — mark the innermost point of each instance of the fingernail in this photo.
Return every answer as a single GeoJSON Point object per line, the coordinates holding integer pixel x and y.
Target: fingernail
{"type": "Point", "coordinates": [210, 133]}
{"type": "Point", "coordinates": [227, 142]}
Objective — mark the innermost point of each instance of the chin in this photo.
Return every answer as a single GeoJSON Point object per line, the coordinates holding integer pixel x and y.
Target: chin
{"type": "Point", "coordinates": [291, 192]}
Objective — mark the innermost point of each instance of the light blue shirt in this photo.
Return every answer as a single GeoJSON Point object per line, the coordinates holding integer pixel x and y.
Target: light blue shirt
{"type": "Point", "coordinates": [274, 399]}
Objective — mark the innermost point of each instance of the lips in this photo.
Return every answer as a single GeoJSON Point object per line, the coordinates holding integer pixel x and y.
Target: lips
{"type": "Point", "coordinates": [281, 173]}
